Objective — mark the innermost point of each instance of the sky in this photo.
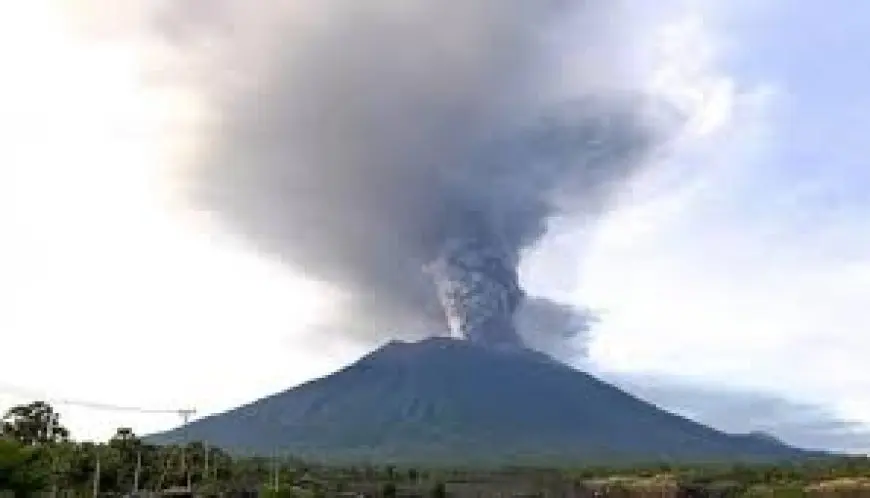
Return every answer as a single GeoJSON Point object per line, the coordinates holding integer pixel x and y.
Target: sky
{"type": "Point", "coordinates": [730, 281]}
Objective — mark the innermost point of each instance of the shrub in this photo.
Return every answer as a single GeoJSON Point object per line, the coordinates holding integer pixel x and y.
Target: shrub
{"type": "Point", "coordinates": [439, 490]}
{"type": "Point", "coordinates": [389, 490]}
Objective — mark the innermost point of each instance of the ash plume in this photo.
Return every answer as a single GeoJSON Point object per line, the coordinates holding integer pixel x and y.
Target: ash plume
{"type": "Point", "coordinates": [479, 289]}
{"type": "Point", "coordinates": [558, 329]}
{"type": "Point", "coordinates": [407, 152]}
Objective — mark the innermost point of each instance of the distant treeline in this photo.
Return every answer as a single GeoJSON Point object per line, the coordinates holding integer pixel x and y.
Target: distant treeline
{"type": "Point", "coordinates": [37, 455]}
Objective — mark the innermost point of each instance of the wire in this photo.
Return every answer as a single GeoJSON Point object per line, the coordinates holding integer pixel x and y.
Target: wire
{"type": "Point", "coordinates": [94, 405]}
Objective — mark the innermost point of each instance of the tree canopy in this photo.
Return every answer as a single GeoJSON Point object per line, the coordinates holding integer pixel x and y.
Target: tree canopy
{"type": "Point", "coordinates": [34, 423]}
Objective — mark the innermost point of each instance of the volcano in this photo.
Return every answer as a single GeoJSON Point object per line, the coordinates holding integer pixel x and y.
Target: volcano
{"type": "Point", "coordinates": [451, 401]}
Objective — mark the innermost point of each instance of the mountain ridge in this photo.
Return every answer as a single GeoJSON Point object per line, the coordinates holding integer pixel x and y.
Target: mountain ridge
{"type": "Point", "coordinates": [445, 400]}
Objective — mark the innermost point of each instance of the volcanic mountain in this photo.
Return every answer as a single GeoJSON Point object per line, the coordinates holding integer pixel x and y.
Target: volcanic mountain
{"type": "Point", "coordinates": [446, 400]}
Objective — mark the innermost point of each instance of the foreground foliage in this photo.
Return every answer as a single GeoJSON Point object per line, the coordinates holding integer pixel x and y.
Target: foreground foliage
{"type": "Point", "coordinates": [36, 454]}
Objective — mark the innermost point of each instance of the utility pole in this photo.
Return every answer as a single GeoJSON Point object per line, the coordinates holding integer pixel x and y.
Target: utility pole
{"type": "Point", "coordinates": [205, 461]}
{"type": "Point", "coordinates": [137, 472]}
{"type": "Point", "coordinates": [275, 472]}
{"type": "Point", "coordinates": [49, 428]}
{"type": "Point", "coordinates": [97, 477]}
{"type": "Point", "coordinates": [185, 416]}
{"type": "Point", "coordinates": [49, 438]}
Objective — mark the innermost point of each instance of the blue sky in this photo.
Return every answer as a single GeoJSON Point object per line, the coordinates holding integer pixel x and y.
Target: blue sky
{"type": "Point", "coordinates": [732, 281]}
{"type": "Point", "coordinates": [746, 274]}
{"type": "Point", "coordinates": [814, 53]}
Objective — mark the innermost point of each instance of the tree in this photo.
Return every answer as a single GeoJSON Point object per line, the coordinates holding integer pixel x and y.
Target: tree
{"type": "Point", "coordinates": [439, 490]}
{"type": "Point", "coordinates": [82, 464]}
{"type": "Point", "coordinates": [389, 490]}
{"type": "Point", "coordinates": [34, 423]}
{"type": "Point", "coordinates": [390, 471]}
{"type": "Point", "coordinates": [127, 446]}
{"type": "Point", "coordinates": [125, 436]}
{"type": "Point", "coordinates": [23, 470]}
{"type": "Point", "coordinates": [125, 450]}
{"type": "Point", "coordinates": [61, 458]}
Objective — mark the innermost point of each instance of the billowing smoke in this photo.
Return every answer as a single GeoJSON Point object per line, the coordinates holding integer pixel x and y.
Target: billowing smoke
{"type": "Point", "coordinates": [478, 287]}
{"type": "Point", "coordinates": [557, 329]}
{"type": "Point", "coordinates": [407, 152]}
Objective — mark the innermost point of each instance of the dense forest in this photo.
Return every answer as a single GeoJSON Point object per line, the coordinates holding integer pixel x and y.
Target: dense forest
{"type": "Point", "coordinates": [38, 454]}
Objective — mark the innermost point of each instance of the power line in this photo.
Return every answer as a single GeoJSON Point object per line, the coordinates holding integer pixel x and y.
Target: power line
{"type": "Point", "coordinates": [184, 413]}
{"type": "Point", "coordinates": [94, 405]}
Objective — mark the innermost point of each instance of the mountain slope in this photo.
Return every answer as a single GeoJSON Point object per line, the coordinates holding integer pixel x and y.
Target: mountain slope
{"type": "Point", "coordinates": [447, 400]}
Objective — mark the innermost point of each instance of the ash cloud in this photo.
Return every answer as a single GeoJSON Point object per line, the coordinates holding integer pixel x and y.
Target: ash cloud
{"type": "Point", "coordinates": [359, 141]}
{"type": "Point", "coordinates": [558, 329]}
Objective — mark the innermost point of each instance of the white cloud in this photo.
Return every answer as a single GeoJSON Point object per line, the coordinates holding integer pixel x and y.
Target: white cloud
{"type": "Point", "coordinates": [722, 272]}
{"type": "Point", "coordinates": [111, 295]}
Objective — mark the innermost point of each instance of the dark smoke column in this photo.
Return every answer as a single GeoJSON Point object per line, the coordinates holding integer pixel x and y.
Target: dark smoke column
{"type": "Point", "coordinates": [478, 287]}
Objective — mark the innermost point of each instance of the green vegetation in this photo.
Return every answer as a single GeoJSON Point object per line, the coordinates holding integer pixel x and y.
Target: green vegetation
{"type": "Point", "coordinates": [439, 490]}
{"type": "Point", "coordinates": [37, 454]}
{"type": "Point", "coordinates": [22, 469]}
